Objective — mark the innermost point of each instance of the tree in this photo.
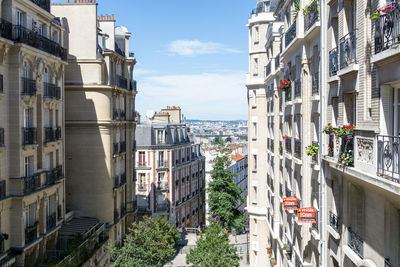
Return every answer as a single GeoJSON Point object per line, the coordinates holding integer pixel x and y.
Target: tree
{"type": "Point", "coordinates": [213, 249]}
{"type": "Point", "coordinates": [150, 243]}
{"type": "Point", "coordinates": [224, 195]}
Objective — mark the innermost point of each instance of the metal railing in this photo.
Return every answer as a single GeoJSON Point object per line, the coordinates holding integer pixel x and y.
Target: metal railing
{"type": "Point", "coordinates": [334, 222]}
{"type": "Point", "coordinates": [122, 82]}
{"type": "Point", "coordinates": [29, 136]}
{"type": "Point", "coordinates": [288, 145]}
{"type": "Point", "coordinates": [51, 221]}
{"type": "Point", "coordinates": [387, 29]}
{"type": "Point", "coordinates": [388, 263]}
{"type": "Point", "coordinates": [388, 157]}
{"type": "Point", "coordinates": [312, 15]}
{"type": "Point", "coordinates": [333, 62]}
{"type": "Point", "coordinates": [31, 233]}
{"type": "Point", "coordinates": [1, 137]}
{"type": "Point", "coordinates": [49, 134]}
{"type": "Point", "coordinates": [348, 146]}
{"type": "Point", "coordinates": [348, 48]}
{"type": "Point", "coordinates": [116, 216]}
{"type": "Point", "coordinates": [288, 94]}
{"type": "Point", "coordinates": [28, 86]}
{"type": "Point", "coordinates": [142, 208]}
{"type": "Point", "coordinates": [162, 163]}
{"type": "Point", "coordinates": [141, 164]}
{"type": "Point", "coordinates": [315, 84]}
{"type": "Point", "coordinates": [6, 29]}
{"type": "Point", "coordinates": [290, 35]}
{"type": "Point", "coordinates": [356, 243]}
{"type": "Point", "coordinates": [51, 91]}
{"type": "Point", "coordinates": [297, 88]}
{"type": "Point", "coordinates": [58, 133]}
{"type": "Point", "coordinates": [51, 177]}
{"type": "Point", "coordinates": [115, 148]}
{"type": "Point", "coordinates": [162, 207]}
{"type": "Point", "coordinates": [297, 148]}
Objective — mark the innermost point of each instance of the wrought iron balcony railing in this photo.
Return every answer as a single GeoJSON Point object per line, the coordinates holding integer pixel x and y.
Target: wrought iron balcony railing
{"type": "Point", "coordinates": [29, 136]}
{"type": "Point", "coordinates": [297, 88]}
{"type": "Point", "coordinates": [288, 145]}
{"type": "Point", "coordinates": [58, 133]}
{"type": "Point", "coordinates": [315, 84]}
{"type": "Point", "coordinates": [162, 207]}
{"type": "Point", "coordinates": [51, 221]}
{"type": "Point", "coordinates": [388, 263]}
{"type": "Point", "coordinates": [116, 216]}
{"type": "Point", "coordinates": [288, 94]}
{"type": "Point", "coordinates": [312, 15]}
{"type": "Point", "coordinates": [51, 91]}
{"type": "Point", "coordinates": [348, 49]}
{"type": "Point", "coordinates": [356, 243]}
{"type": "Point", "coordinates": [49, 135]}
{"type": "Point", "coordinates": [333, 62]}
{"type": "Point", "coordinates": [51, 177]}
{"type": "Point", "coordinates": [133, 85]}
{"type": "Point", "coordinates": [389, 157]}
{"type": "Point", "coordinates": [2, 189]}
{"type": "Point", "coordinates": [334, 222]}
{"type": "Point", "coordinates": [28, 86]}
{"type": "Point", "coordinates": [31, 183]}
{"type": "Point", "coordinates": [290, 35]}
{"type": "Point", "coordinates": [162, 163]}
{"type": "Point", "coordinates": [297, 148]}
{"type": "Point", "coordinates": [6, 29]}
{"type": "Point", "coordinates": [31, 233]}
{"type": "Point", "coordinates": [387, 29]}
{"type": "Point", "coordinates": [1, 137]}
{"type": "Point", "coordinates": [122, 82]}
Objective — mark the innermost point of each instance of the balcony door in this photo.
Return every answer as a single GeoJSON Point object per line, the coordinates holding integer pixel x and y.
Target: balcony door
{"type": "Point", "coordinates": [142, 158]}
{"type": "Point", "coordinates": [28, 118]}
{"type": "Point", "coordinates": [51, 205]}
{"type": "Point", "coordinates": [49, 161]}
{"type": "Point", "coordinates": [28, 166]}
{"type": "Point", "coordinates": [30, 215]}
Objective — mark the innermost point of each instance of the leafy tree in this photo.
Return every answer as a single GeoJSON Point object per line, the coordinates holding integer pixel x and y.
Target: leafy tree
{"type": "Point", "coordinates": [213, 249]}
{"type": "Point", "coordinates": [224, 195]}
{"type": "Point", "coordinates": [150, 243]}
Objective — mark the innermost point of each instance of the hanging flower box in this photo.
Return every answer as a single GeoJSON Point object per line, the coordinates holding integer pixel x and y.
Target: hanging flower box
{"type": "Point", "coordinates": [345, 130]}
{"type": "Point", "coordinates": [285, 84]}
{"type": "Point", "coordinates": [383, 11]}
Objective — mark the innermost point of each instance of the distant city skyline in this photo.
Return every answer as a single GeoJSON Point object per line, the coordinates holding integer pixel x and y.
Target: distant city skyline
{"type": "Point", "coordinates": [189, 54]}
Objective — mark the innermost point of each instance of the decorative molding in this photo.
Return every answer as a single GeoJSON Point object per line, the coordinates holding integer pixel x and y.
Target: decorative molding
{"type": "Point", "coordinates": [365, 148]}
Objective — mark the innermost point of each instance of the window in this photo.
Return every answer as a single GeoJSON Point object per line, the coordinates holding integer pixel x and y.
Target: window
{"type": "Point", "coordinates": [51, 205]}
{"type": "Point", "coordinates": [142, 179]}
{"type": "Point", "coordinates": [256, 34]}
{"type": "Point", "coordinates": [27, 70]}
{"type": "Point", "coordinates": [160, 136]}
{"type": "Point", "coordinates": [28, 118]}
{"type": "Point", "coordinates": [255, 227]}
{"type": "Point", "coordinates": [350, 104]}
{"type": "Point", "coordinates": [49, 161]}
{"type": "Point", "coordinates": [44, 30]}
{"type": "Point", "coordinates": [255, 197]}
{"type": "Point", "coordinates": [55, 37]}
{"type": "Point", "coordinates": [21, 19]}
{"type": "Point", "coordinates": [256, 67]}
{"type": "Point", "coordinates": [28, 166]}
{"type": "Point", "coordinates": [30, 215]}
{"type": "Point", "coordinates": [255, 162]}
{"type": "Point", "coordinates": [57, 118]}
{"type": "Point", "coordinates": [254, 97]}
{"type": "Point", "coordinates": [254, 130]}
{"type": "Point", "coordinates": [142, 158]}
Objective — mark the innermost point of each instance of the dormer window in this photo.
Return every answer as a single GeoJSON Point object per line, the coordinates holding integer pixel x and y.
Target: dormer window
{"type": "Point", "coordinates": [160, 136]}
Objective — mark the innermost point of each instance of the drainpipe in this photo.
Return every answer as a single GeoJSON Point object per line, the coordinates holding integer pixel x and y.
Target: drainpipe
{"type": "Point", "coordinates": [323, 121]}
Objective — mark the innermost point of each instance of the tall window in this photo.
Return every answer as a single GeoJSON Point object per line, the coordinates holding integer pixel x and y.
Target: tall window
{"type": "Point", "coordinates": [255, 197]}
{"type": "Point", "coordinates": [51, 205]}
{"type": "Point", "coordinates": [28, 118]}
{"type": "Point", "coordinates": [256, 34]}
{"type": "Point", "coordinates": [160, 136]}
{"type": "Point", "coordinates": [30, 215]}
{"type": "Point", "coordinates": [142, 179]}
{"type": "Point", "coordinates": [255, 162]}
{"type": "Point", "coordinates": [255, 130]}
{"type": "Point", "coordinates": [142, 158]}
{"type": "Point", "coordinates": [21, 18]}
{"type": "Point", "coordinates": [49, 161]}
{"type": "Point", "coordinates": [256, 67]}
{"type": "Point", "coordinates": [28, 166]}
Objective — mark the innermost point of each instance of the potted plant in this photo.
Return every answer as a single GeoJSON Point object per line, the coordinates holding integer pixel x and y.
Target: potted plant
{"type": "Point", "coordinates": [273, 261]}
{"type": "Point", "coordinates": [285, 84]}
{"type": "Point", "coordinates": [329, 129]}
{"type": "Point", "coordinates": [383, 10]}
{"type": "Point", "coordinates": [296, 9]}
{"type": "Point", "coordinates": [311, 7]}
{"type": "Point", "coordinates": [345, 159]}
{"type": "Point", "coordinates": [312, 150]}
{"type": "Point", "coordinates": [347, 130]}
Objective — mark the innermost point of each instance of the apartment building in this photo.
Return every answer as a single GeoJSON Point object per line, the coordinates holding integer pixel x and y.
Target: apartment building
{"type": "Point", "coordinates": [99, 117]}
{"type": "Point", "coordinates": [169, 171]}
{"type": "Point", "coordinates": [239, 169]}
{"type": "Point", "coordinates": [363, 199]}
{"type": "Point", "coordinates": [32, 182]}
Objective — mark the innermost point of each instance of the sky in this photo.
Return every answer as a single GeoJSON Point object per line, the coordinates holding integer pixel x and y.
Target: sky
{"type": "Point", "coordinates": [192, 54]}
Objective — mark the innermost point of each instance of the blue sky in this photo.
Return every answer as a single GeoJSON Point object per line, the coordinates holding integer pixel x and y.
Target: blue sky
{"type": "Point", "coordinates": [192, 54]}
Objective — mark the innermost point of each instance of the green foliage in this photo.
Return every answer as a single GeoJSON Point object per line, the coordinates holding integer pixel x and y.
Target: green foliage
{"type": "Point", "coordinates": [243, 137]}
{"type": "Point", "coordinates": [296, 8]}
{"type": "Point", "coordinates": [224, 194]}
{"type": "Point", "coordinates": [312, 150]}
{"type": "Point", "coordinates": [150, 243]}
{"type": "Point", "coordinates": [213, 249]}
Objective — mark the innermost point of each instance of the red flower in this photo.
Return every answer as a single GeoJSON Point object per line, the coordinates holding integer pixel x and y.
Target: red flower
{"type": "Point", "coordinates": [284, 137]}
{"type": "Point", "coordinates": [329, 124]}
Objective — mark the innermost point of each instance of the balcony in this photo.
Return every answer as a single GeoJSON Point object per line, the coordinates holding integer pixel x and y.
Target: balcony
{"type": "Point", "coordinates": [297, 148]}
{"type": "Point", "coordinates": [388, 157]}
{"type": "Point", "coordinates": [162, 207]}
{"type": "Point", "coordinates": [142, 187]}
{"type": "Point", "coordinates": [6, 29]}
{"type": "Point", "coordinates": [122, 147]}
{"type": "Point", "coordinates": [348, 50]}
{"type": "Point", "coordinates": [59, 172]}
{"type": "Point", "coordinates": [315, 84]}
{"type": "Point", "coordinates": [51, 91]}
{"type": "Point", "coordinates": [1, 137]}
{"type": "Point", "coordinates": [334, 222]}
{"type": "Point", "coordinates": [312, 15]}
{"type": "Point", "coordinates": [133, 86]}
{"type": "Point", "coordinates": [58, 133]}
{"type": "Point", "coordinates": [122, 82]}
{"type": "Point", "coordinates": [31, 183]}
{"type": "Point", "coordinates": [288, 94]}
{"type": "Point", "coordinates": [288, 145]}
{"type": "Point", "coordinates": [387, 29]}
{"type": "Point", "coordinates": [356, 243]}
{"type": "Point", "coordinates": [32, 38]}
{"type": "Point", "coordinates": [51, 221]}
{"type": "Point", "coordinates": [49, 135]}
{"type": "Point", "coordinates": [28, 86]}
{"type": "Point", "coordinates": [31, 233]}
{"type": "Point", "coordinates": [333, 62]}
{"type": "Point", "coordinates": [290, 35]}
{"type": "Point", "coordinates": [162, 164]}
{"type": "Point", "coordinates": [297, 88]}
{"type": "Point", "coordinates": [51, 177]}
{"type": "Point", "coordinates": [44, 4]}
{"type": "Point", "coordinates": [29, 136]}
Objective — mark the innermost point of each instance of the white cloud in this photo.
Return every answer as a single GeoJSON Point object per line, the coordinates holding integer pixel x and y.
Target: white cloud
{"type": "Point", "coordinates": [195, 47]}
{"type": "Point", "coordinates": [201, 96]}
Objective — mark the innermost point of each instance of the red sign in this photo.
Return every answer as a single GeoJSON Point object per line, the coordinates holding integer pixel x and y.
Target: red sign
{"type": "Point", "coordinates": [290, 203]}
{"type": "Point", "coordinates": [307, 215]}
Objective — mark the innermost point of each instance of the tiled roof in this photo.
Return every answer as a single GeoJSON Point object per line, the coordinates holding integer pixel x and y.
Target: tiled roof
{"type": "Point", "coordinates": [237, 157]}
